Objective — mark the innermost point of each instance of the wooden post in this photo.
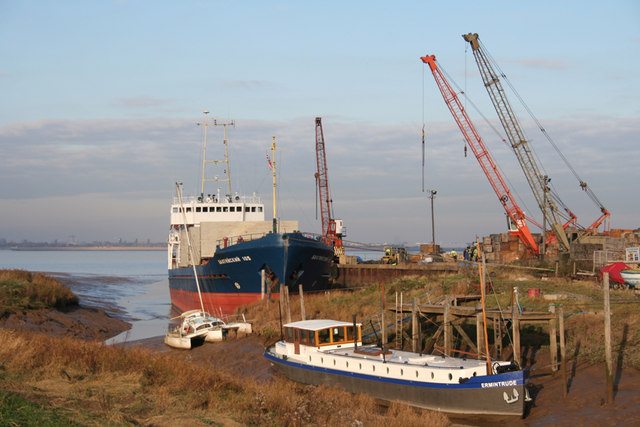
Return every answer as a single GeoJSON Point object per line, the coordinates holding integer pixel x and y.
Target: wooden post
{"type": "Point", "coordinates": [383, 327]}
{"type": "Point", "coordinates": [262, 282]}
{"type": "Point", "coordinates": [414, 325]}
{"type": "Point", "coordinates": [480, 332]}
{"type": "Point", "coordinates": [448, 330]}
{"type": "Point", "coordinates": [282, 303]}
{"type": "Point", "coordinates": [302, 313]}
{"type": "Point", "coordinates": [553, 340]}
{"type": "Point", "coordinates": [497, 337]}
{"type": "Point", "coordinates": [515, 315]}
{"type": "Point", "coordinates": [607, 337]}
{"type": "Point", "coordinates": [287, 302]}
{"type": "Point", "coordinates": [556, 270]}
{"type": "Point", "coordinates": [563, 361]}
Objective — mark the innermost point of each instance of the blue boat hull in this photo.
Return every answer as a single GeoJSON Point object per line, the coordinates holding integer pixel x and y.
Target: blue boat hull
{"type": "Point", "coordinates": [233, 277]}
{"type": "Point", "coordinates": [501, 394]}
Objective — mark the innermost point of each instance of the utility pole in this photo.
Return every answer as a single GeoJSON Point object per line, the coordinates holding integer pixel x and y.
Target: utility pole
{"type": "Point", "coordinates": [432, 195]}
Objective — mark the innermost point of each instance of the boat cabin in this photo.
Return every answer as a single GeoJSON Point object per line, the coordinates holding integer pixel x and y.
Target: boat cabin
{"type": "Point", "coordinates": [321, 334]}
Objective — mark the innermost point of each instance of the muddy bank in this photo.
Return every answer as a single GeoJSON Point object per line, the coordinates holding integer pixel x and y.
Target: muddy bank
{"type": "Point", "coordinates": [84, 323]}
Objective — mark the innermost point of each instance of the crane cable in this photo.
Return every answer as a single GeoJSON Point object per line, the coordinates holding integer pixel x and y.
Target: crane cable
{"type": "Point", "coordinates": [583, 184]}
{"type": "Point", "coordinates": [495, 130]}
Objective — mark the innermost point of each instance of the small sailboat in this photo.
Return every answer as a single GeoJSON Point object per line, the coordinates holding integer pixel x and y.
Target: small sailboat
{"type": "Point", "coordinates": [198, 326]}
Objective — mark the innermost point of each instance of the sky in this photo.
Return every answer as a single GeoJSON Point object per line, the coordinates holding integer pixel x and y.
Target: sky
{"type": "Point", "coordinates": [100, 103]}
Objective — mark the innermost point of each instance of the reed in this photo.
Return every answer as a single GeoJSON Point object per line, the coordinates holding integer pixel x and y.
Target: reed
{"type": "Point", "coordinates": [20, 289]}
{"type": "Point", "coordinates": [94, 382]}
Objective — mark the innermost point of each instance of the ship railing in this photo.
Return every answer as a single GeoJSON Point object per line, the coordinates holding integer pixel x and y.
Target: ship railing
{"type": "Point", "coordinates": [232, 240]}
{"type": "Point", "coordinates": [214, 199]}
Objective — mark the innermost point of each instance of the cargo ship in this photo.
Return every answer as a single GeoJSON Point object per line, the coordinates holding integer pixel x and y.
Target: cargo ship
{"type": "Point", "coordinates": [237, 256]}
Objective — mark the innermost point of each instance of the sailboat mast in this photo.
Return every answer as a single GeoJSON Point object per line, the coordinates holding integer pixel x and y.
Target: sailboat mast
{"type": "Point", "coordinates": [186, 230]}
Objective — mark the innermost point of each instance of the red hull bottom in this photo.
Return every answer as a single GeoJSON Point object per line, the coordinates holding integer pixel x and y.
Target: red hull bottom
{"type": "Point", "coordinates": [214, 303]}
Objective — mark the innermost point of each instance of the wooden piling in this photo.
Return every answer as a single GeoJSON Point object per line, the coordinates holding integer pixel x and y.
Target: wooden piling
{"type": "Point", "coordinates": [448, 330]}
{"type": "Point", "coordinates": [563, 360]}
{"type": "Point", "coordinates": [482, 349]}
{"type": "Point", "coordinates": [607, 338]}
{"type": "Point", "coordinates": [553, 340]}
{"type": "Point", "coordinates": [414, 325]}
{"type": "Point", "coordinates": [515, 315]}
{"type": "Point", "coordinates": [302, 312]}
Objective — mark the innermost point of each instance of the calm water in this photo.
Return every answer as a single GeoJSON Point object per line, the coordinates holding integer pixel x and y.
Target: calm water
{"type": "Point", "coordinates": [133, 282]}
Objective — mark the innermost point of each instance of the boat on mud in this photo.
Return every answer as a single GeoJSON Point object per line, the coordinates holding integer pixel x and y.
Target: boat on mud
{"type": "Point", "coordinates": [238, 257]}
{"type": "Point", "coordinates": [331, 352]}
{"type": "Point", "coordinates": [197, 327]}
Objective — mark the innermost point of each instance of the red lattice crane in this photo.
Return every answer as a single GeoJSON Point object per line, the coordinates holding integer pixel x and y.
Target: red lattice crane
{"type": "Point", "coordinates": [332, 229]}
{"type": "Point", "coordinates": [518, 224]}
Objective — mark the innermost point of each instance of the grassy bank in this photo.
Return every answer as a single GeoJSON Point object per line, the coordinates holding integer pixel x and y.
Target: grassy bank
{"type": "Point", "coordinates": [96, 385]}
{"type": "Point", "coordinates": [20, 290]}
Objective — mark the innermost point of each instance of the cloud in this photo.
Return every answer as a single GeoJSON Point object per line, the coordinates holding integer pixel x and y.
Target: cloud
{"type": "Point", "coordinates": [105, 174]}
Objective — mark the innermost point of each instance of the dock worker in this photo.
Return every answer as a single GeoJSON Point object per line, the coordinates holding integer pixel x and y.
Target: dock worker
{"type": "Point", "coordinates": [454, 254]}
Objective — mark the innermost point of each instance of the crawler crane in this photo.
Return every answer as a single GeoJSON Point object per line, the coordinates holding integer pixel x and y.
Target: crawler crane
{"type": "Point", "coordinates": [518, 225]}
{"type": "Point", "coordinates": [536, 179]}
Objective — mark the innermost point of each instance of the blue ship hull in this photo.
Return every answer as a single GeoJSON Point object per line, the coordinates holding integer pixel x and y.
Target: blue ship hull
{"type": "Point", "coordinates": [233, 277]}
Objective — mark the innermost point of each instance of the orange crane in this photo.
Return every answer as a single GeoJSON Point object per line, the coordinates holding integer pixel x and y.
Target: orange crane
{"type": "Point", "coordinates": [537, 181]}
{"type": "Point", "coordinates": [332, 229]}
{"type": "Point", "coordinates": [517, 218]}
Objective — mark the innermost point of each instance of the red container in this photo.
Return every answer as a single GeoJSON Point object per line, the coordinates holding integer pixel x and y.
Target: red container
{"type": "Point", "coordinates": [534, 292]}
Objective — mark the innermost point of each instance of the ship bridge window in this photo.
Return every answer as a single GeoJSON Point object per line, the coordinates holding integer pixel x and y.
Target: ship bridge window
{"type": "Point", "coordinates": [289, 333]}
{"type": "Point", "coordinates": [253, 208]}
{"type": "Point", "coordinates": [225, 209]}
{"type": "Point", "coordinates": [218, 209]}
{"type": "Point", "coordinates": [198, 209]}
{"type": "Point", "coordinates": [175, 210]}
{"type": "Point", "coordinates": [205, 209]}
{"type": "Point", "coordinates": [259, 208]}
{"type": "Point", "coordinates": [188, 209]}
{"type": "Point", "coordinates": [246, 208]}
{"type": "Point", "coordinates": [232, 209]}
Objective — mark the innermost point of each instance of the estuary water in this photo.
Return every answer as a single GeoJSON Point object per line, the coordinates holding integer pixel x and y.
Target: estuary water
{"type": "Point", "coordinates": [131, 285]}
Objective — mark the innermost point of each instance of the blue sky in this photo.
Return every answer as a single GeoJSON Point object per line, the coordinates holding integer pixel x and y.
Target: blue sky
{"type": "Point", "coordinates": [100, 100]}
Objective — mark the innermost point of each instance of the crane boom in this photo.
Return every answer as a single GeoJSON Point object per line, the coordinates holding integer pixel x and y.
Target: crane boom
{"type": "Point", "coordinates": [331, 228]}
{"type": "Point", "coordinates": [515, 214]}
{"type": "Point", "coordinates": [537, 181]}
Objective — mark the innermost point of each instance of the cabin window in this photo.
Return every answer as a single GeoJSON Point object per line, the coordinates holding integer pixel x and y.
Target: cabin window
{"type": "Point", "coordinates": [324, 336]}
{"type": "Point", "coordinates": [205, 209]}
{"type": "Point", "coordinates": [218, 209]}
{"type": "Point", "coordinates": [307, 337]}
{"type": "Point", "coordinates": [198, 209]}
{"type": "Point", "coordinates": [246, 208]}
{"type": "Point", "coordinates": [232, 209]}
{"type": "Point", "coordinates": [253, 208]}
{"type": "Point", "coordinates": [175, 210]}
{"type": "Point", "coordinates": [259, 208]}
{"type": "Point", "coordinates": [189, 209]}
{"type": "Point", "coordinates": [289, 332]}
{"type": "Point", "coordinates": [225, 209]}
{"type": "Point", "coordinates": [338, 334]}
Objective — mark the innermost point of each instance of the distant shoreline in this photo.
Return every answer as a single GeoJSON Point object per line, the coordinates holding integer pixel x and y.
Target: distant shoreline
{"type": "Point", "coordinates": [89, 248]}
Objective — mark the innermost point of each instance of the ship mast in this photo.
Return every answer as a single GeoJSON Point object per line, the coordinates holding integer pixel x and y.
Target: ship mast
{"type": "Point", "coordinates": [273, 168]}
{"type": "Point", "coordinates": [225, 162]}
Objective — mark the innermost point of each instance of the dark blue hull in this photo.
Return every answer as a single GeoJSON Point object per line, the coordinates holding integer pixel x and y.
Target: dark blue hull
{"type": "Point", "coordinates": [233, 277]}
